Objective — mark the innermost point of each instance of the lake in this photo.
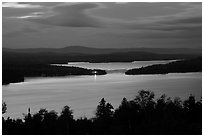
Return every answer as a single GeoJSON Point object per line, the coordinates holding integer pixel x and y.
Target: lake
{"type": "Point", "coordinates": [83, 93]}
{"type": "Point", "coordinates": [116, 66]}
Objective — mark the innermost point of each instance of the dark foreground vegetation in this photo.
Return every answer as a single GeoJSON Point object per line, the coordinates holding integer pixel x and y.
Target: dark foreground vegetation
{"type": "Point", "coordinates": [142, 116]}
{"type": "Point", "coordinates": [12, 73]}
{"type": "Point", "coordinates": [182, 66]}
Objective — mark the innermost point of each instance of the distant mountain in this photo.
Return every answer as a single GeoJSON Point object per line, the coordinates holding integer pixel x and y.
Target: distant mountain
{"type": "Point", "coordinates": [99, 51]}
{"type": "Point", "coordinates": [85, 54]}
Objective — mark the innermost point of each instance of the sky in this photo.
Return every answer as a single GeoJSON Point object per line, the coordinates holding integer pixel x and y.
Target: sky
{"type": "Point", "coordinates": [102, 25]}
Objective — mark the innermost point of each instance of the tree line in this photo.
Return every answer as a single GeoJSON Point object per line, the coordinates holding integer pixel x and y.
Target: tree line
{"type": "Point", "coordinates": [12, 73]}
{"type": "Point", "coordinates": [180, 66]}
{"type": "Point", "coordinates": [143, 115]}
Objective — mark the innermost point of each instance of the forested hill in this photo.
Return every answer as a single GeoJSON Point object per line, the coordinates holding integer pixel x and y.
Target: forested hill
{"type": "Point", "coordinates": [182, 66]}
{"type": "Point", "coordinates": [84, 54]}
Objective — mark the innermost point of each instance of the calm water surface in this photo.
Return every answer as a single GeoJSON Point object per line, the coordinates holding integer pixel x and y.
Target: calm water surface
{"type": "Point", "coordinates": [115, 65]}
{"type": "Point", "coordinates": [82, 93]}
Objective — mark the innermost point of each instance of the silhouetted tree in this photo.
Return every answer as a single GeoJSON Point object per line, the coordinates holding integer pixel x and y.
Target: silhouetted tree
{"type": "Point", "coordinates": [145, 99]}
{"type": "Point", "coordinates": [84, 126]}
{"type": "Point", "coordinates": [66, 120]}
{"type": "Point", "coordinates": [161, 103]}
{"type": "Point", "coordinates": [49, 123]}
{"type": "Point", "coordinates": [28, 122]}
{"type": "Point", "coordinates": [126, 115]}
{"type": "Point", "coordinates": [104, 116]}
{"type": "Point", "coordinates": [4, 107]}
{"type": "Point", "coordinates": [104, 110]}
{"type": "Point", "coordinates": [141, 115]}
{"type": "Point", "coordinates": [189, 104]}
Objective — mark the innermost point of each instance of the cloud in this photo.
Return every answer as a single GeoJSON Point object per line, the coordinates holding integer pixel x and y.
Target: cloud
{"type": "Point", "coordinates": [12, 27]}
{"type": "Point", "coordinates": [22, 31]}
{"type": "Point", "coordinates": [155, 34]}
{"type": "Point", "coordinates": [44, 4]}
{"type": "Point", "coordinates": [185, 20]}
{"type": "Point", "coordinates": [189, 19]}
{"type": "Point", "coordinates": [31, 15]}
{"type": "Point", "coordinates": [121, 2]}
{"type": "Point", "coordinates": [78, 15]}
{"type": "Point", "coordinates": [17, 5]}
{"type": "Point", "coordinates": [84, 24]}
{"type": "Point", "coordinates": [164, 23]}
{"type": "Point", "coordinates": [69, 16]}
{"type": "Point", "coordinates": [183, 26]}
{"type": "Point", "coordinates": [25, 10]}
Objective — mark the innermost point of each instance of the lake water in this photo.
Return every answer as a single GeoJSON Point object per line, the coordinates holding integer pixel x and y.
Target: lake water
{"type": "Point", "coordinates": [120, 67]}
{"type": "Point", "coordinates": [82, 93]}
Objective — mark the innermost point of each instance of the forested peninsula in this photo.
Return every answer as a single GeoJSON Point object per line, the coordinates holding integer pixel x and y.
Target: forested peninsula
{"type": "Point", "coordinates": [181, 66]}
